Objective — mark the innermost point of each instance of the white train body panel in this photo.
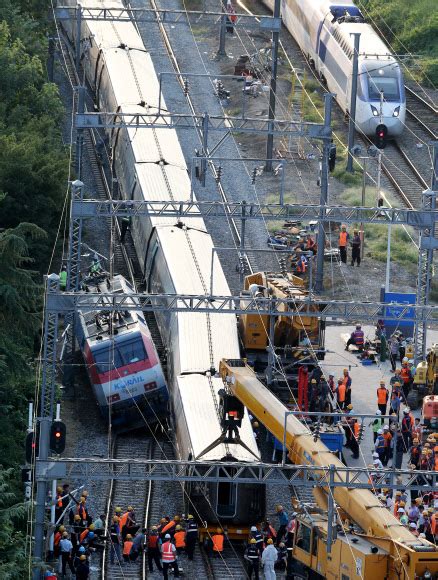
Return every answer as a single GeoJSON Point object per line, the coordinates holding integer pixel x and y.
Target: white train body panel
{"type": "Point", "coordinates": [150, 165]}
{"type": "Point", "coordinates": [328, 43]}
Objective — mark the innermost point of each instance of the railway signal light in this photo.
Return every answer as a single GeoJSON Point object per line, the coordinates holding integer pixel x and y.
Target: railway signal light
{"type": "Point", "coordinates": [58, 432]}
{"type": "Point", "coordinates": [381, 136]}
{"type": "Point", "coordinates": [32, 445]}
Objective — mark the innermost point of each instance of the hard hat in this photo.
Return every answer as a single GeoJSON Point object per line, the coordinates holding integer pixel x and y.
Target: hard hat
{"type": "Point", "coordinates": [118, 510]}
{"type": "Point", "coordinates": [83, 557]}
{"type": "Point", "coordinates": [65, 534]}
{"type": "Point", "coordinates": [253, 541]}
{"type": "Point", "coordinates": [345, 371]}
{"type": "Point", "coordinates": [406, 411]}
{"type": "Point", "coordinates": [128, 537]}
{"type": "Point", "coordinates": [382, 382]}
{"type": "Point", "coordinates": [130, 508]}
{"type": "Point", "coordinates": [59, 489]}
{"type": "Point", "coordinates": [90, 535]}
{"type": "Point", "coordinates": [279, 508]}
{"type": "Point", "coordinates": [402, 504]}
{"type": "Point", "coordinates": [350, 406]}
{"type": "Point", "coordinates": [253, 529]}
{"type": "Point", "coordinates": [400, 510]}
{"type": "Point", "coordinates": [313, 381]}
{"type": "Point", "coordinates": [294, 515]}
{"type": "Point", "coordinates": [91, 527]}
{"type": "Point", "coordinates": [378, 412]}
{"type": "Point", "coordinates": [81, 550]}
{"type": "Point", "coordinates": [190, 517]}
{"type": "Point", "coordinates": [163, 521]}
{"type": "Point", "coordinates": [397, 384]}
{"type": "Point", "coordinates": [116, 519]}
{"type": "Point", "coordinates": [218, 531]}
{"type": "Point", "coordinates": [380, 431]}
{"type": "Point", "coordinates": [281, 544]}
{"type": "Point", "coordinates": [176, 519]}
{"type": "Point", "coordinates": [398, 493]}
{"type": "Point", "coordinates": [83, 499]}
{"type": "Point", "coordinates": [385, 427]}
{"type": "Point", "coordinates": [154, 527]}
{"type": "Point", "coordinates": [412, 525]}
{"type": "Point", "coordinates": [61, 529]}
{"type": "Point", "coordinates": [85, 493]}
{"type": "Point", "coordinates": [255, 425]}
{"type": "Point", "coordinates": [419, 501]}
{"type": "Point", "coordinates": [77, 517]}
{"type": "Point", "coordinates": [375, 454]}
{"type": "Point", "coordinates": [405, 359]}
{"type": "Point", "coordinates": [167, 537]}
{"type": "Point", "coordinates": [270, 541]}
{"type": "Point", "coordinates": [178, 527]}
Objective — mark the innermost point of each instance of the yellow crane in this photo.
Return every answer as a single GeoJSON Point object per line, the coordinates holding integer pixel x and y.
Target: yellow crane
{"type": "Point", "coordinates": [384, 549]}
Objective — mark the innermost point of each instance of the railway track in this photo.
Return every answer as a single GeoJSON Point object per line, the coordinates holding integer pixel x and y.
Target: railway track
{"type": "Point", "coordinates": [422, 112]}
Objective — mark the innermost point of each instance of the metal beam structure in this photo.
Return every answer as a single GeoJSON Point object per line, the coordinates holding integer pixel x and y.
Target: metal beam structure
{"type": "Point", "coordinates": [428, 243]}
{"type": "Point", "coordinates": [164, 16]}
{"type": "Point", "coordinates": [235, 472]}
{"type": "Point", "coordinates": [349, 310]}
{"type": "Point", "coordinates": [91, 208]}
{"type": "Point", "coordinates": [156, 119]}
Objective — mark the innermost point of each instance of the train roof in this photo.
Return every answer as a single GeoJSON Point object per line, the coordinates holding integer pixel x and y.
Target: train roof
{"type": "Point", "coordinates": [127, 324]}
{"type": "Point", "coordinates": [200, 414]}
{"type": "Point", "coordinates": [370, 42]}
{"type": "Point", "coordinates": [194, 329]}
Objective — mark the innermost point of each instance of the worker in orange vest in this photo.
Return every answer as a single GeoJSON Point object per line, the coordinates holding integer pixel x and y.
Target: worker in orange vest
{"type": "Point", "coordinates": [85, 533]}
{"type": "Point", "coordinates": [169, 557]}
{"type": "Point", "coordinates": [169, 528]}
{"type": "Point", "coordinates": [388, 438]}
{"type": "Point", "coordinates": [127, 523]}
{"type": "Point", "coordinates": [218, 542]}
{"type": "Point", "coordinates": [434, 525]}
{"type": "Point", "coordinates": [340, 394]}
{"type": "Point", "coordinates": [406, 377]}
{"type": "Point", "coordinates": [82, 509]}
{"type": "Point", "coordinates": [343, 243]}
{"type": "Point", "coordinates": [180, 539]}
{"type": "Point", "coordinates": [382, 397]}
{"type": "Point", "coordinates": [127, 546]}
{"type": "Point", "coordinates": [57, 539]}
{"type": "Point", "coordinates": [59, 505]}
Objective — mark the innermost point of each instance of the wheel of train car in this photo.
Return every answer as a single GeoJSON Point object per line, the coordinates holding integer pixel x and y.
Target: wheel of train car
{"type": "Point", "coordinates": [412, 399]}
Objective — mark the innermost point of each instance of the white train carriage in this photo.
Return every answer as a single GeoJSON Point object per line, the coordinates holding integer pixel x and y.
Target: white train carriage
{"type": "Point", "coordinates": [323, 31]}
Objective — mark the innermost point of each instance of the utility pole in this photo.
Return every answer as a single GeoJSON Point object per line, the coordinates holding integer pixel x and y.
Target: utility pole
{"type": "Point", "coordinates": [352, 118]}
{"type": "Point", "coordinates": [48, 381]}
{"type": "Point", "coordinates": [273, 88]}
{"type": "Point", "coordinates": [428, 243]}
{"type": "Point", "coordinates": [223, 30]}
{"type": "Point", "coordinates": [319, 281]}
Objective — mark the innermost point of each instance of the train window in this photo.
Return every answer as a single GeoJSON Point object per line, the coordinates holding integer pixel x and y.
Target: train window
{"type": "Point", "coordinates": [387, 85]}
{"type": "Point", "coordinates": [132, 351]}
{"type": "Point", "coordinates": [226, 499]}
{"type": "Point", "coordinates": [106, 359]}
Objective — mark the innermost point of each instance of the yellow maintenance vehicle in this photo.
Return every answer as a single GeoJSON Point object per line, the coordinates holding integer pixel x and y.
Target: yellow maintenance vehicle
{"type": "Point", "coordinates": [426, 373]}
{"type": "Point", "coordinates": [295, 338]}
{"type": "Point", "coordinates": [377, 546]}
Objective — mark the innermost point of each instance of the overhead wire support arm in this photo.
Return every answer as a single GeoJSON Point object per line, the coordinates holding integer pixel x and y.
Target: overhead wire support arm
{"type": "Point", "coordinates": [90, 208]}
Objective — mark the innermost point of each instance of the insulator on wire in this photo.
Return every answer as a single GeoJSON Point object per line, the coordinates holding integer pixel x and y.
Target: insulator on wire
{"type": "Point", "coordinates": [254, 175]}
{"type": "Point", "coordinates": [317, 430]}
{"type": "Point", "coordinates": [218, 174]}
{"type": "Point", "coordinates": [361, 432]}
{"type": "Point", "coordinates": [186, 87]}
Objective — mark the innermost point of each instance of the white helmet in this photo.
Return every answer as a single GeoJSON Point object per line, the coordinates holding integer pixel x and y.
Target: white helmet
{"type": "Point", "coordinates": [167, 537]}
{"type": "Point", "coordinates": [378, 412]}
{"type": "Point", "coordinates": [375, 455]}
{"type": "Point", "coordinates": [379, 432]}
{"type": "Point", "coordinates": [253, 529]}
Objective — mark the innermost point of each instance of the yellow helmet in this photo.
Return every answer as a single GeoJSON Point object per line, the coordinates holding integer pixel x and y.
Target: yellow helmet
{"type": "Point", "coordinates": [59, 489]}
{"type": "Point", "coordinates": [178, 528]}
{"type": "Point", "coordinates": [77, 518]}
{"type": "Point", "coordinates": [130, 508]}
{"type": "Point", "coordinates": [190, 517]}
{"type": "Point", "coordinates": [91, 527]}
{"type": "Point", "coordinates": [176, 519]}
{"type": "Point", "coordinates": [118, 510]}
{"type": "Point", "coordinates": [62, 528]}
{"type": "Point", "coordinates": [128, 537]}
{"type": "Point", "coordinates": [65, 534]}
{"type": "Point", "coordinates": [253, 541]}
{"type": "Point", "coordinates": [218, 531]}
{"type": "Point", "coordinates": [270, 541]}
{"type": "Point", "coordinates": [85, 493]}
{"type": "Point", "coordinates": [83, 557]}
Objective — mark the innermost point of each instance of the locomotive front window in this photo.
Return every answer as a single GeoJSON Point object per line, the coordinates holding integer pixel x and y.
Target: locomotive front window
{"type": "Point", "coordinates": [107, 359]}
{"type": "Point", "coordinates": [132, 352]}
{"type": "Point", "coordinates": [387, 85]}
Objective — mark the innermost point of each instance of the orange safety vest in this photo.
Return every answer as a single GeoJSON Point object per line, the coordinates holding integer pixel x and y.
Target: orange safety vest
{"type": "Point", "coordinates": [341, 393]}
{"type": "Point", "coordinates": [405, 374]}
{"type": "Point", "coordinates": [301, 266]}
{"type": "Point", "coordinates": [127, 548]}
{"type": "Point", "coordinates": [387, 437]}
{"type": "Point", "coordinates": [356, 429]}
{"type": "Point", "coordinates": [168, 526]}
{"type": "Point", "coordinates": [57, 539]}
{"type": "Point", "coordinates": [167, 552]}
{"type": "Point", "coordinates": [218, 542]}
{"type": "Point", "coordinates": [179, 538]}
{"type": "Point", "coordinates": [382, 396]}
{"type": "Point", "coordinates": [83, 535]}
{"type": "Point", "coordinates": [396, 506]}
{"type": "Point", "coordinates": [433, 524]}
{"type": "Point", "coordinates": [59, 500]}
{"type": "Point", "coordinates": [343, 238]}
{"type": "Point", "coordinates": [123, 520]}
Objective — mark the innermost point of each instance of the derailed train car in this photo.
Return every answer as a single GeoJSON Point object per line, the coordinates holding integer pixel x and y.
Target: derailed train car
{"type": "Point", "coordinates": [175, 257]}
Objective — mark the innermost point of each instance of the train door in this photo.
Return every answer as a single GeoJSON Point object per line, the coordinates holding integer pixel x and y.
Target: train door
{"type": "Point", "coordinates": [226, 499]}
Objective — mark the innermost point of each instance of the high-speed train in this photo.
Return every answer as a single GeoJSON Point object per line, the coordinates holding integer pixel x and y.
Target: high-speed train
{"type": "Point", "coordinates": [175, 257]}
{"type": "Point", "coordinates": [323, 31]}
{"type": "Point", "coordinates": [122, 362]}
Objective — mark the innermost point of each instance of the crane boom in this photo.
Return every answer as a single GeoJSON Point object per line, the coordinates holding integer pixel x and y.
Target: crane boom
{"type": "Point", "coordinates": [361, 505]}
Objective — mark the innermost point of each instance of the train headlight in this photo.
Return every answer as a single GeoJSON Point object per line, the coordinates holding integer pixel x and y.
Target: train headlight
{"type": "Point", "coordinates": [375, 111]}
{"type": "Point", "coordinates": [396, 112]}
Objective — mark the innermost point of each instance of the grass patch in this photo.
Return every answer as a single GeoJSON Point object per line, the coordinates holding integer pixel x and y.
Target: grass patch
{"type": "Point", "coordinates": [402, 249]}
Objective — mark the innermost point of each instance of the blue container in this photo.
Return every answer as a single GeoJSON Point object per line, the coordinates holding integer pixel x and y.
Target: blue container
{"type": "Point", "coordinates": [334, 441]}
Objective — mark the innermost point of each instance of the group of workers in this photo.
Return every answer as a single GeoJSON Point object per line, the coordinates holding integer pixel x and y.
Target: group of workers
{"type": "Point", "coordinates": [354, 241]}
